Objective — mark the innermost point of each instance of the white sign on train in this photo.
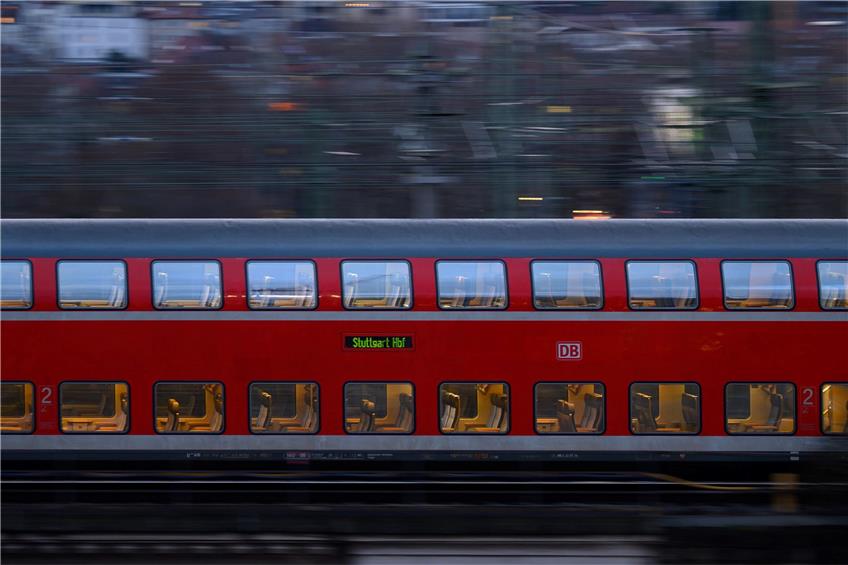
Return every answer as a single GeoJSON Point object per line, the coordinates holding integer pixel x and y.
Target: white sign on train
{"type": "Point", "coordinates": [570, 350]}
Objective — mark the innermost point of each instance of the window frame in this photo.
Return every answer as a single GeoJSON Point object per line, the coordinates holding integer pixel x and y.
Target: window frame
{"type": "Point", "coordinates": [439, 292]}
{"type": "Point", "coordinates": [271, 309]}
{"type": "Point", "coordinates": [557, 309]}
{"type": "Point", "coordinates": [34, 392]}
{"type": "Point", "coordinates": [766, 434]}
{"type": "Point", "coordinates": [508, 429]}
{"type": "Point", "coordinates": [196, 309]}
{"type": "Point", "coordinates": [819, 285]}
{"type": "Point", "coordinates": [600, 432]}
{"type": "Point", "coordinates": [372, 382]}
{"type": "Point", "coordinates": [89, 382]}
{"type": "Point", "coordinates": [665, 434]}
{"type": "Point", "coordinates": [694, 264]}
{"type": "Point", "coordinates": [81, 309]}
{"type": "Point", "coordinates": [284, 382]}
{"type": "Point", "coordinates": [371, 260]}
{"type": "Point", "coordinates": [31, 292]}
{"type": "Point", "coordinates": [791, 286]}
{"type": "Point", "coordinates": [183, 382]}
{"type": "Point", "coordinates": [821, 406]}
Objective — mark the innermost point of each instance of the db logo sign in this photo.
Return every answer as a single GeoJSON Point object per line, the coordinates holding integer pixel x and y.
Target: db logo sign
{"type": "Point", "coordinates": [570, 351]}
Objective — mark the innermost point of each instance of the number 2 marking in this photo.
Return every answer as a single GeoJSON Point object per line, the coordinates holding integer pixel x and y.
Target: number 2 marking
{"type": "Point", "coordinates": [46, 395]}
{"type": "Point", "coordinates": [807, 394]}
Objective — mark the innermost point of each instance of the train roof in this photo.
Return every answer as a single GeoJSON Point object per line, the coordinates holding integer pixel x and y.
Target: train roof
{"type": "Point", "coordinates": [209, 238]}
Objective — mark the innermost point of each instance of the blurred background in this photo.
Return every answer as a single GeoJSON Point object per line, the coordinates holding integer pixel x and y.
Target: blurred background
{"type": "Point", "coordinates": [424, 109]}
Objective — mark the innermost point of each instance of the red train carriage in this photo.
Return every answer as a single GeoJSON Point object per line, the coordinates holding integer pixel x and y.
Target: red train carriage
{"type": "Point", "coordinates": [424, 339]}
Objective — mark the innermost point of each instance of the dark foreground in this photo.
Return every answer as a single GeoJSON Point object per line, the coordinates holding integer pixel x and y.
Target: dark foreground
{"type": "Point", "coordinates": [704, 515]}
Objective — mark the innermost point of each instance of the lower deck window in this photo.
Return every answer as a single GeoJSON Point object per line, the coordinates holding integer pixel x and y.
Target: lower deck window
{"type": "Point", "coordinates": [379, 408]}
{"type": "Point", "coordinates": [657, 408]}
{"type": "Point", "coordinates": [835, 408]}
{"type": "Point", "coordinates": [196, 407]}
{"type": "Point", "coordinates": [16, 408]}
{"type": "Point", "coordinates": [284, 408]}
{"type": "Point", "coordinates": [94, 407]}
{"type": "Point", "coordinates": [569, 408]}
{"type": "Point", "coordinates": [760, 408]}
{"type": "Point", "coordinates": [490, 402]}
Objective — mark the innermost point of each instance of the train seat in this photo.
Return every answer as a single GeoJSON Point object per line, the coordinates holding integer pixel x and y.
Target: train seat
{"type": "Point", "coordinates": [775, 415]}
{"type": "Point", "coordinates": [450, 411]}
{"type": "Point", "coordinates": [644, 420]}
{"type": "Point", "coordinates": [565, 417]}
{"type": "Point", "coordinates": [497, 416]}
{"type": "Point", "coordinates": [689, 403]}
{"type": "Point", "coordinates": [405, 416]}
{"type": "Point", "coordinates": [367, 410]}
{"type": "Point", "coordinates": [593, 412]}
{"type": "Point", "coordinates": [172, 423]}
{"type": "Point", "coordinates": [263, 419]}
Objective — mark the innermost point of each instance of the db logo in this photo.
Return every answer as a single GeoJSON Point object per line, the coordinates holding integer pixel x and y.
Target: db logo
{"type": "Point", "coordinates": [571, 351]}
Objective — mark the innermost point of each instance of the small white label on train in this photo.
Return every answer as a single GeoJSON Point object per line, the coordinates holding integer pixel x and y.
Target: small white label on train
{"type": "Point", "coordinates": [571, 351]}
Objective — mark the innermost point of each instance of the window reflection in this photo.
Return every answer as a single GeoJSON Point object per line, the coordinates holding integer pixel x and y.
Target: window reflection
{"type": "Point", "coordinates": [757, 284]}
{"type": "Point", "coordinates": [662, 285]}
{"type": "Point", "coordinates": [92, 284]}
{"type": "Point", "coordinates": [471, 285]}
{"type": "Point", "coordinates": [833, 284]}
{"type": "Point", "coordinates": [374, 284]}
{"type": "Point", "coordinates": [281, 284]}
{"type": "Point", "coordinates": [566, 284]}
{"type": "Point", "coordinates": [187, 284]}
{"type": "Point", "coordinates": [15, 284]}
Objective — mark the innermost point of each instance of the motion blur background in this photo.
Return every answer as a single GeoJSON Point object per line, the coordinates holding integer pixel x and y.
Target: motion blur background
{"type": "Point", "coordinates": [424, 109]}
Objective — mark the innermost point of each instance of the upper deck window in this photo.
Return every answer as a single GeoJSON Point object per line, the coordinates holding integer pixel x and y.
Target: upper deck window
{"type": "Point", "coordinates": [833, 284]}
{"type": "Point", "coordinates": [658, 285]}
{"type": "Point", "coordinates": [376, 284]}
{"type": "Point", "coordinates": [471, 284]}
{"type": "Point", "coordinates": [15, 284]}
{"type": "Point", "coordinates": [757, 284]}
{"type": "Point", "coordinates": [566, 284]}
{"type": "Point", "coordinates": [187, 284]}
{"type": "Point", "coordinates": [92, 284]}
{"type": "Point", "coordinates": [281, 284]}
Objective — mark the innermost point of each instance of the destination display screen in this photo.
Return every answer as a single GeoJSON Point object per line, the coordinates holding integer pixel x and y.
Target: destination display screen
{"type": "Point", "coordinates": [371, 342]}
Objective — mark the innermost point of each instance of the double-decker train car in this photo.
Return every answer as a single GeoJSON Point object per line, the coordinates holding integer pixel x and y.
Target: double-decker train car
{"type": "Point", "coordinates": [442, 339]}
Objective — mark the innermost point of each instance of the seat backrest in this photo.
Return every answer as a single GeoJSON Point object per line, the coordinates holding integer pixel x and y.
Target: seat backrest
{"type": "Point", "coordinates": [263, 419]}
{"type": "Point", "coordinates": [689, 404]}
{"type": "Point", "coordinates": [593, 412]}
{"type": "Point", "coordinates": [776, 410]}
{"type": "Point", "coordinates": [173, 422]}
{"type": "Point", "coordinates": [123, 412]}
{"type": "Point", "coordinates": [565, 416]}
{"type": "Point", "coordinates": [367, 409]}
{"type": "Point", "coordinates": [216, 423]}
{"type": "Point", "coordinates": [497, 419]}
{"type": "Point", "coordinates": [310, 399]}
{"type": "Point", "coordinates": [645, 412]}
{"type": "Point", "coordinates": [450, 410]}
{"type": "Point", "coordinates": [845, 427]}
{"type": "Point", "coordinates": [406, 408]}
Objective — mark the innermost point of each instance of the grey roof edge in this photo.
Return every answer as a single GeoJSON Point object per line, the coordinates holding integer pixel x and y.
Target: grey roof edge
{"type": "Point", "coordinates": [184, 238]}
